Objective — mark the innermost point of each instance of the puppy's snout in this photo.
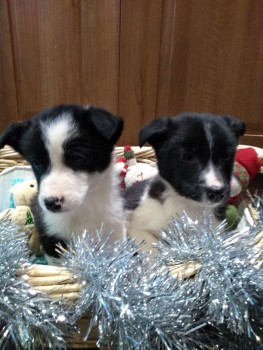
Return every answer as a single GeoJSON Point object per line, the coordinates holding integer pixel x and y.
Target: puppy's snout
{"type": "Point", "coordinates": [54, 203]}
{"type": "Point", "coordinates": [215, 194]}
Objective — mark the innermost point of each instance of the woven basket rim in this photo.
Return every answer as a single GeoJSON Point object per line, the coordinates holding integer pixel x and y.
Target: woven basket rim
{"type": "Point", "coordinates": [10, 158]}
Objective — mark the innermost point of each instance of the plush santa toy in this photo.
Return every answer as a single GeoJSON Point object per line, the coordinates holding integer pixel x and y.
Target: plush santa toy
{"type": "Point", "coordinates": [136, 171]}
{"type": "Point", "coordinates": [246, 166]}
{"type": "Point", "coordinates": [121, 167]}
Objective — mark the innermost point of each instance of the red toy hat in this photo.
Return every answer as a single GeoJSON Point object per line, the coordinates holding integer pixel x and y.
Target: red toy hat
{"type": "Point", "coordinates": [246, 166]}
{"type": "Point", "coordinates": [248, 158]}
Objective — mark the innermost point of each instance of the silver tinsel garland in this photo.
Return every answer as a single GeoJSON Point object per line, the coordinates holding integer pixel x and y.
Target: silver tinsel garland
{"type": "Point", "coordinates": [230, 278]}
{"type": "Point", "coordinates": [135, 302]}
{"type": "Point", "coordinates": [27, 319]}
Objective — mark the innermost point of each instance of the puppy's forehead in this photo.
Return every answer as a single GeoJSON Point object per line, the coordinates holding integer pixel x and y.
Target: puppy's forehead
{"type": "Point", "coordinates": [56, 131]}
{"type": "Point", "coordinates": [197, 130]}
{"type": "Point", "coordinates": [209, 134]}
{"type": "Point", "coordinates": [190, 131]}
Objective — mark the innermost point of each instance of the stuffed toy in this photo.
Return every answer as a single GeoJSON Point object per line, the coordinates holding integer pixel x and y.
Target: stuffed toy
{"type": "Point", "coordinates": [121, 168]}
{"type": "Point", "coordinates": [246, 166]}
{"type": "Point", "coordinates": [22, 194]}
{"type": "Point", "coordinates": [19, 212]}
{"type": "Point", "coordinates": [136, 171]}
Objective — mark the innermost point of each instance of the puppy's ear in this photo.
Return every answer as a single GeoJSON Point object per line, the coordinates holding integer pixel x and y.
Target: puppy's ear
{"type": "Point", "coordinates": [12, 135]}
{"type": "Point", "coordinates": [237, 127]}
{"type": "Point", "coordinates": [154, 133]}
{"type": "Point", "coordinates": [108, 125]}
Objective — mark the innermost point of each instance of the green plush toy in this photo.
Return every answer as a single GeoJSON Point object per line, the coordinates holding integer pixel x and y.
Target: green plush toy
{"type": "Point", "coordinates": [231, 215]}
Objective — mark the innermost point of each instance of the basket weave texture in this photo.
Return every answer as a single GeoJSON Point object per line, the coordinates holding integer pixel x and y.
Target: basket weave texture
{"type": "Point", "coordinates": [9, 157]}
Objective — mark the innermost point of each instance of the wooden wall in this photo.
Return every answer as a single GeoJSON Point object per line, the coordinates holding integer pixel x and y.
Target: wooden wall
{"type": "Point", "coordinates": [141, 59]}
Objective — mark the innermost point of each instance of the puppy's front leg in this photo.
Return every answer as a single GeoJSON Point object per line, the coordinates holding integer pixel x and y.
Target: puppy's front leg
{"type": "Point", "coordinates": [144, 239]}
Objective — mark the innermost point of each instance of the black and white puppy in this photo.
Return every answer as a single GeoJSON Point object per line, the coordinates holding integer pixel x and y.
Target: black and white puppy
{"type": "Point", "coordinates": [70, 149]}
{"type": "Point", "coordinates": [195, 155]}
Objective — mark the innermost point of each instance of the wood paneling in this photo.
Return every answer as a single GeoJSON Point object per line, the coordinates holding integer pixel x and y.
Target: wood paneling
{"type": "Point", "coordinates": [139, 62]}
{"type": "Point", "coordinates": [166, 58]}
{"type": "Point", "coordinates": [46, 47]}
{"type": "Point", "coordinates": [213, 60]}
{"type": "Point", "coordinates": [8, 100]}
{"type": "Point", "coordinates": [141, 59]}
{"type": "Point", "coordinates": [24, 19]}
{"type": "Point", "coordinates": [100, 38]}
{"type": "Point", "coordinates": [59, 38]}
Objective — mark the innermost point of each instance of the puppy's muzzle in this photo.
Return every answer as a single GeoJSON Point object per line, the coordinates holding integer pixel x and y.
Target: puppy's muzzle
{"type": "Point", "coordinates": [54, 204]}
{"type": "Point", "coordinates": [215, 194]}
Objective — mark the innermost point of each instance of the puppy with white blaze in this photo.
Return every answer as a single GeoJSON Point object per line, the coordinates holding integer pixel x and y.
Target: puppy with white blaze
{"type": "Point", "coordinates": [195, 156]}
{"type": "Point", "coordinates": [70, 149]}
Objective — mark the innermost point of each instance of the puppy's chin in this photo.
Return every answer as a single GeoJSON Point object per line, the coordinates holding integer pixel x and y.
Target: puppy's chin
{"type": "Point", "coordinates": [208, 204]}
{"type": "Point", "coordinates": [205, 202]}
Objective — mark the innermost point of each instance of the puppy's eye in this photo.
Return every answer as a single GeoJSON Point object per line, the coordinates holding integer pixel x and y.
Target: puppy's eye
{"type": "Point", "coordinates": [188, 157]}
{"type": "Point", "coordinates": [76, 158]}
{"type": "Point", "coordinates": [226, 156]}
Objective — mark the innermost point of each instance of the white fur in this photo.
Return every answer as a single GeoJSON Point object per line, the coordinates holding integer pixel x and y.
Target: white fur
{"type": "Point", "coordinates": [211, 177]}
{"type": "Point", "coordinates": [151, 216]}
{"type": "Point", "coordinates": [61, 182]}
{"type": "Point", "coordinates": [55, 133]}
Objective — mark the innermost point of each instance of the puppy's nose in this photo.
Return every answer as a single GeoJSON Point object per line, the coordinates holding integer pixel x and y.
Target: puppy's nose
{"type": "Point", "coordinates": [215, 194]}
{"type": "Point", "coordinates": [53, 203]}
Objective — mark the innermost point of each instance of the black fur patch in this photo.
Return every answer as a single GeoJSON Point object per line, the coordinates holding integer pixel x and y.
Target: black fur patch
{"type": "Point", "coordinates": [157, 189]}
{"type": "Point", "coordinates": [49, 243]}
{"type": "Point", "coordinates": [132, 195]}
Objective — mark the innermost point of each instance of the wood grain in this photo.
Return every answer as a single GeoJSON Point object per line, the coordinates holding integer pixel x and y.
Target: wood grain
{"type": "Point", "coordinates": [46, 40]}
{"type": "Point", "coordinates": [213, 60]}
{"type": "Point", "coordinates": [100, 37]}
{"type": "Point", "coordinates": [24, 17]}
{"type": "Point", "coordinates": [8, 100]}
{"type": "Point", "coordinates": [59, 37]}
{"type": "Point", "coordinates": [166, 58]}
{"type": "Point", "coordinates": [139, 61]}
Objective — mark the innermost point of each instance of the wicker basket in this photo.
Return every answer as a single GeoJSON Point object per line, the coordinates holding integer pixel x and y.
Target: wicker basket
{"type": "Point", "coordinates": [57, 281]}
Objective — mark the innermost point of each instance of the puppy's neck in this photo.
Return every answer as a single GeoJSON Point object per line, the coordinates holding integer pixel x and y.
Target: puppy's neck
{"type": "Point", "coordinates": [104, 184]}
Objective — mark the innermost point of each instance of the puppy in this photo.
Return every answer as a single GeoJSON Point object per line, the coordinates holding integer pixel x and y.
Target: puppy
{"type": "Point", "coordinates": [195, 155]}
{"type": "Point", "coordinates": [70, 150]}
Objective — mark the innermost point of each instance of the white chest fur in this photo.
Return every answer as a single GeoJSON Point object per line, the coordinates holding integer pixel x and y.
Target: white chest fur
{"type": "Point", "coordinates": [151, 216]}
